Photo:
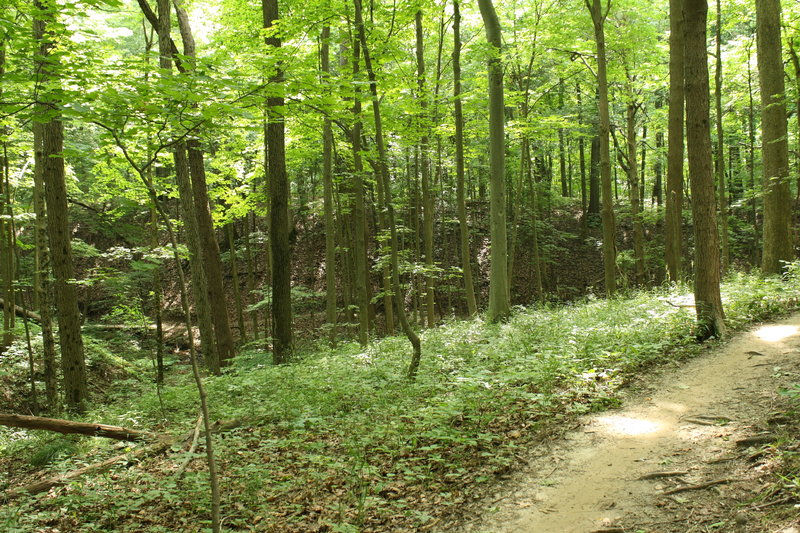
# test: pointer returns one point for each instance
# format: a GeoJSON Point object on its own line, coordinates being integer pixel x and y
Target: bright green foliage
{"type": "Point", "coordinates": [344, 426]}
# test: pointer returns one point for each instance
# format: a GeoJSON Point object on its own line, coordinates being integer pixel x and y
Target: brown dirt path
{"type": "Point", "coordinates": [687, 421]}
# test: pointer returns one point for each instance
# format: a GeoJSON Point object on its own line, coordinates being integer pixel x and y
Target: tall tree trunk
{"type": "Point", "coordinates": [279, 205]}
{"type": "Point", "coordinates": [383, 175]}
{"type": "Point", "coordinates": [41, 277]}
{"type": "Point", "coordinates": [205, 225]}
{"type": "Point", "coordinates": [774, 143]}
{"type": "Point", "coordinates": [197, 266]}
{"type": "Point", "coordinates": [674, 192]}
{"type": "Point", "coordinates": [466, 256]}
{"type": "Point", "coordinates": [327, 187]}
{"type": "Point", "coordinates": [607, 212]}
{"type": "Point", "coordinates": [251, 278]}
{"type": "Point", "coordinates": [633, 180]}
{"type": "Point", "coordinates": [582, 157]}
{"type": "Point", "coordinates": [6, 232]}
{"type": "Point", "coordinates": [725, 257]}
{"type": "Point", "coordinates": [594, 176]}
{"type": "Point", "coordinates": [362, 282]}
{"type": "Point", "coordinates": [793, 54]}
{"type": "Point", "coordinates": [658, 168]}
{"type": "Point", "coordinates": [499, 305]}
{"type": "Point", "coordinates": [73, 364]}
{"type": "Point", "coordinates": [708, 303]}
{"type": "Point", "coordinates": [237, 290]}
{"type": "Point", "coordinates": [427, 194]}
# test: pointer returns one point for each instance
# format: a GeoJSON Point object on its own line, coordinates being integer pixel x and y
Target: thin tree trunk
{"type": "Point", "coordinates": [466, 256]}
{"type": "Point", "coordinates": [725, 254]}
{"type": "Point", "coordinates": [582, 156]}
{"type": "Point", "coordinates": [607, 211]}
{"type": "Point", "coordinates": [361, 282]}
{"type": "Point", "coordinates": [427, 195]}
{"type": "Point", "coordinates": [251, 278]}
{"type": "Point", "coordinates": [327, 185]}
{"type": "Point", "coordinates": [633, 180]}
{"type": "Point", "coordinates": [383, 175]}
{"type": "Point", "coordinates": [209, 246]}
{"type": "Point", "coordinates": [237, 290]}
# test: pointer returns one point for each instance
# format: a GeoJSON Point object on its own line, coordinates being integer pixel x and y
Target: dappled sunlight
{"type": "Point", "coordinates": [775, 333]}
{"type": "Point", "coordinates": [671, 407]}
{"type": "Point", "coordinates": [629, 427]}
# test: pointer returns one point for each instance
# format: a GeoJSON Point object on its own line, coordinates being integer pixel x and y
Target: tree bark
{"type": "Point", "coordinates": [607, 211]}
{"type": "Point", "coordinates": [359, 229]}
{"type": "Point", "coordinates": [327, 185]}
{"type": "Point", "coordinates": [209, 247]}
{"type": "Point", "coordinates": [499, 305]}
{"type": "Point", "coordinates": [466, 256]}
{"type": "Point", "coordinates": [279, 205]}
{"type": "Point", "coordinates": [674, 192]}
{"type": "Point", "coordinates": [383, 175]}
{"type": "Point", "coordinates": [708, 303]}
{"type": "Point", "coordinates": [53, 173]}
{"type": "Point", "coordinates": [774, 143]}
{"type": "Point", "coordinates": [427, 194]}
{"type": "Point", "coordinates": [720, 159]}
{"type": "Point", "coordinates": [71, 427]}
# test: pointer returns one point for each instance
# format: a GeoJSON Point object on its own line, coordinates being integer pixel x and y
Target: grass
{"type": "Point", "coordinates": [340, 441]}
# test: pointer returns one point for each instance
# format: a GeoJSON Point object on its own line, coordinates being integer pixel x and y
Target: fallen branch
{"type": "Point", "coordinates": [701, 486]}
{"type": "Point", "coordinates": [659, 475]}
{"type": "Point", "coordinates": [161, 446]}
{"type": "Point", "coordinates": [69, 427]}
{"type": "Point", "coordinates": [22, 311]}
{"type": "Point", "coordinates": [192, 448]}
{"type": "Point", "coordinates": [767, 438]}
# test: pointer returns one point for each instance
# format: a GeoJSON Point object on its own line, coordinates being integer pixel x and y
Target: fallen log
{"type": "Point", "coordinates": [69, 426]}
{"type": "Point", "coordinates": [160, 446]}
{"type": "Point", "coordinates": [23, 312]}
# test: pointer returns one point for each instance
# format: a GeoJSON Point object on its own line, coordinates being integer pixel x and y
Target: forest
{"type": "Point", "coordinates": [338, 265]}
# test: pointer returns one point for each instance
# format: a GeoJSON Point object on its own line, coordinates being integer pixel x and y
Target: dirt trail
{"type": "Point", "coordinates": [686, 421]}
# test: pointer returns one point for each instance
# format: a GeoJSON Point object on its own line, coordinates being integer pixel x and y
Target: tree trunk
{"type": "Point", "coordinates": [279, 206]}
{"type": "Point", "coordinates": [209, 246]}
{"type": "Point", "coordinates": [362, 282]}
{"type": "Point", "coordinates": [73, 364]}
{"type": "Point", "coordinates": [607, 212]}
{"type": "Point", "coordinates": [658, 168]}
{"type": "Point", "coordinates": [594, 176]}
{"type": "Point", "coordinates": [327, 186]}
{"type": "Point", "coordinates": [774, 143]}
{"type": "Point", "coordinates": [71, 427]}
{"type": "Point", "coordinates": [725, 257]}
{"type": "Point", "coordinates": [466, 256]}
{"type": "Point", "coordinates": [41, 276]}
{"type": "Point", "coordinates": [633, 180]}
{"type": "Point", "coordinates": [499, 305]}
{"type": "Point", "coordinates": [674, 192]}
{"type": "Point", "coordinates": [582, 157]}
{"type": "Point", "coordinates": [383, 175]}
{"type": "Point", "coordinates": [427, 194]}
{"type": "Point", "coordinates": [237, 290]}
{"type": "Point", "coordinates": [708, 303]}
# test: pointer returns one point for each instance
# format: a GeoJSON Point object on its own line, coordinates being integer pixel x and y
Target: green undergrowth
{"type": "Point", "coordinates": [341, 441]}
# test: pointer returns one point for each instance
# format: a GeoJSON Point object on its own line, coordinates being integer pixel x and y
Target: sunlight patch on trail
{"type": "Point", "coordinates": [629, 427]}
{"type": "Point", "coordinates": [775, 333]}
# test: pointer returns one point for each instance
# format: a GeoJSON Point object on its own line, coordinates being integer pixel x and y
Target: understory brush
{"type": "Point", "coordinates": [341, 441]}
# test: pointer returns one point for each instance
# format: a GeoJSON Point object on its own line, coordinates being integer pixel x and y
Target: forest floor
{"type": "Point", "coordinates": [691, 449]}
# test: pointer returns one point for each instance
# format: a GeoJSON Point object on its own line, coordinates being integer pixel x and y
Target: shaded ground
{"type": "Point", "coordinates": [643, 468]}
